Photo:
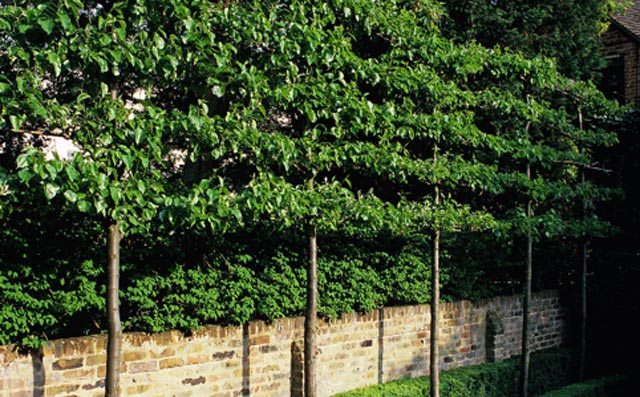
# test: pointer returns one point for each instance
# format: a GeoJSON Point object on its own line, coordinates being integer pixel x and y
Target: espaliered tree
{"type": "Point", "coordinates": [113, 80]}
{"type": "Point", "coordinates": [536, 118]}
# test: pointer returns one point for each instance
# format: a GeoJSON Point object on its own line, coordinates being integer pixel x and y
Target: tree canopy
{"type": "Point", "coordinates": [200, 125]}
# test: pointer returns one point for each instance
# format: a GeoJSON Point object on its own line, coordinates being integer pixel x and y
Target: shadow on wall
{"type": "Point", "coordinates": [38, 373]}
{"type": "Point", "coordinates": [246, 361]}
{"type": "Point", "coordinates": [381, 346]}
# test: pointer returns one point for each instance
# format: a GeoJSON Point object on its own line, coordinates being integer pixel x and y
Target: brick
{"type": "Point", "coordinates": [223, 355]}
{"type": "Point", "coordinates": [260, 340]}
{"type": "Point", "coordinates": [268, 348]}
{"type": "Point", "coordinates": [67, 363]}
{"type": "Point", "coordinates": [171, 362]}
{"type": "Point", "coordinates": [142, 366]}
{"type": "Point", "coordinates": [133, 356]}
{"type": "Point", "coordinates": [197, 359]}
{"type": "Point", "coordinates": [194, 381]}
{"type": "Point", "coordinates": [60, 389]}
{"type": "Point", "coordinates": [20, 393]}
{"type": "Point", "coordinates": [366, 343]}
{"type": "Point", "coordinates": [15, 383]}
{"type": "Point", "coordinates": [96, 359]}
{"type": "Point", "coordinates": [80, 373]}
{"type": "Point", "coordinates": [97, 384]}
{"type": "Point", "coordinates": [138, 389]}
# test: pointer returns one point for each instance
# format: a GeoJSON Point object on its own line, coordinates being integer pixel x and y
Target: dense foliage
{"type": "Point", "coordinates": [567, 31]}
{"type": "Point", "coordinates": [213, 134]}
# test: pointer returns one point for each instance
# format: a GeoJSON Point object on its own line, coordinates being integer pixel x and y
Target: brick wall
{"type": "Point", "coordinates": [617, 42]}
{"type": "Point", "coordinates": [263, 359]}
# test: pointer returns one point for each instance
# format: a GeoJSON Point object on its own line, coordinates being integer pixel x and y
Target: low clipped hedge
{"type": "Point", "coordinates": [549, 370]}
{"type": "Point", "coordinates": [608, 386]}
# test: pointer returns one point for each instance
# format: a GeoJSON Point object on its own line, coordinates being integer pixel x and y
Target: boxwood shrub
{"type": "Point", "coordinates": [549, 370]}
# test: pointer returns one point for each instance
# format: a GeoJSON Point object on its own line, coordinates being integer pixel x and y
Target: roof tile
{"type": "Point", "coordinates": [630, 19]}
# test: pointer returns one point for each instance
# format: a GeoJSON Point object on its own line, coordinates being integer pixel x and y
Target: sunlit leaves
{"type": "Point", "coordinates": [201, 117]}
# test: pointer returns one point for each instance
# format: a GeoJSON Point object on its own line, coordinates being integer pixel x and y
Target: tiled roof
{"type": "Point", "coordinates": [630, 19]}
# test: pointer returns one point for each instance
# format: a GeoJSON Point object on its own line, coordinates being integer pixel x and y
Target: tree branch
{"type": "Point", "coordinates": [41, 132]}
{"type": "Point", "coordinates": [584, 166]}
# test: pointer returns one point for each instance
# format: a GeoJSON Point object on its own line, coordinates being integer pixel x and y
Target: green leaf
{"type": "Point", "coordinates": [217, 91]}
{"type": "Point", "coordinates": [4, 24]}
{"type": "Point", "coordinates": [84, 206]}
{"type": "Point", "coordinates": [25, 175]}
{"type": "Point", "coordinates": [83, 96]}
{"type": "Point", "coordinates": [55, 61]}
{"type": "Point", "coordinates": [51, 190]}
{"type": "Point", "coordinates": [121, 33]}
{"type": "Point", "coordinates": [127, 159]}
{"type": "Point", "coordinates": [20, 84]}
{"type": "Point", "coordinates": [101, 206]}
{"type": "Point", "coordinates": [46, 25]}
{"type": "Point", "coordinates": [14, 121]}
{"type": "Point", "coordinates": [159, 42]}
{"type": "Point", "coordinates": [71, 196]}
{"type": "Point", "coordinates": [23, 160]}
{"type": "Point", "coordinates": [65, 21]}
{"type": "Point", "coordinates": [138, 135]}
{"type": "Point", "coordinates": [72, 173]}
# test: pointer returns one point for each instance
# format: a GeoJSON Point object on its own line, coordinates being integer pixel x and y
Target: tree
{"type": "Point", "coordinates": [567, 31]}
{"type": "Point", "coordinates": [104, 77]}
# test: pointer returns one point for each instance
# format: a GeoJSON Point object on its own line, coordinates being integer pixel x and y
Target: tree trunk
{"type": "Point", "coordinates": [311, 318]}
{"type": "Point", "coordinates": [524, 371]}
{"type": "Point", "coordinates": [582, 349]}
{"type": "Point", "coordinates": [114, 342]}
{"type": "Point", "coordinates": [435, 299]}
{"type": "Point", "coordinates": [583, 296]}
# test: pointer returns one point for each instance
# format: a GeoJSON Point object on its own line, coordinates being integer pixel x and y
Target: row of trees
{"type": "Point", "coordinates": [342, 116]}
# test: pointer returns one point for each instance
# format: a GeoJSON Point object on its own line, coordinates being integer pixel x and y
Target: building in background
{"type": "Point", "coordinates": [621, 46]}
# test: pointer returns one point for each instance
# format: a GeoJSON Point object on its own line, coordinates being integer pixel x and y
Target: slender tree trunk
{"type": "Point", "coordinates": [435, 300]}
{"type": "Point", "coordinates": [584, 247]}
{"type": "Point", "coordinates": [524, 371]}
{"type": "Point", "coordinates": [114, 342]}
{"type": "Point", "coordinates": [584, 254]}
{"type": "Point", "coordinates": [311, 318]}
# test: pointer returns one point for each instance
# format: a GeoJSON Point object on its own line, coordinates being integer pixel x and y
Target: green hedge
{"type": "Point", "coordinates": [608, 386]}
{"type": "Point", "coordinates": [549, 370]}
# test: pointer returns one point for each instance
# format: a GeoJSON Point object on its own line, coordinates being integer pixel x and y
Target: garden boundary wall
{"type": "Point", "coordinates": [265, 359]}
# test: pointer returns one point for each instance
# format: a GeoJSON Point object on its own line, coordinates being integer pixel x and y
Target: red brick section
{"type": "Point", "coordinates": [623, 39]}
{"type": "Point", "coordinates": [263, 359]}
